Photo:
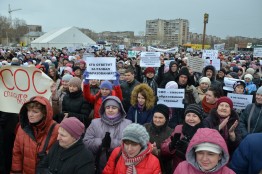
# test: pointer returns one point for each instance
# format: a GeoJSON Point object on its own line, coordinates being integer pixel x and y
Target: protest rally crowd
{"type": "Point", "coordinates": [119, 126]}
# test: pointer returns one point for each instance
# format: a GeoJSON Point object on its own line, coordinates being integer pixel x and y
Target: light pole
{"type": "Point", "coordinates": [204, 32]}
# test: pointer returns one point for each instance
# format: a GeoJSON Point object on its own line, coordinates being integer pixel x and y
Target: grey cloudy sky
{"type": "Point", "coordinates": [226, 17]}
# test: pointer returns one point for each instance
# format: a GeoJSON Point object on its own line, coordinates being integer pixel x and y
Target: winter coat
{"type": "Point", "coordinates": [251, 87]}
{"type": "Point", "coordinates": [247, 157]}
{"type": "Point", "coordinates": [202, 135]}
{"type": "Point", "coordinates": [213, 80]}
{"type": "Point", "coordinates": [127, 89]}
{"type": "Point", "coordinates": [74, 160]}
{"type": "Point", "coordinates": [143, 117]}
{"type": "Point", "coordinates": [149, 165]}
{"type": "Point", "coordinates": [255, 121]}
{"type": "Point", "coordinates": [97, 99]}
{"type": "Point", "coordinates": [212, 121]}
{"type": "Point", "coordinates": [76, 106]}
{"type": "Point", "coordinates": [30, 139]}
{"type": "Point", "coordinates": [169, 76]}
{"type": "Point", "coordinates": [158, 136]}
{"type": "Point", "coordinates": [201, 94]}
{"type": "Point", "coordinates": [97, 129]}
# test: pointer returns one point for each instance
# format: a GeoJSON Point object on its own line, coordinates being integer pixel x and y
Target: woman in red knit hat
{"type": "Point", "coordinates": [225, 119]}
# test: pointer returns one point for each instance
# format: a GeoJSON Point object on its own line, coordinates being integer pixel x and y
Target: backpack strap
{"type": "Point", "coordinates": [249, 117]}
{"type": "Point", "coordinates": [48, 137]}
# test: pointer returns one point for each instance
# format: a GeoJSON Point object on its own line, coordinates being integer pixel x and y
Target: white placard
{"type": "Point", "coordinates": [240, 101]}
{"type": "Point", "coordinates": [87, 55]}
{"type": "Point", "coordinates": [196, 64]}
{"type": "Point", "coordinates": [71, 49]}
{"type": "Point", "coordinates": [150, 59]}
{"type": "Point", "coordinates": [257, 52]}
{"type": "Point", "coordinates": [132, 53]}
{"type": "Point", "coordinates": [167, 62]}
{"type": "Point", "coordinates": [214, 62]}
{"type": "Point", "coordinates": [190, 50]}
{"type": "Point", "coordinates": [170, 50]}
{"type": "Point", "coordinates": [108, 48]}
{"type": "Point", "coordinates": [212, 54]}
{"type": "Point", "coordinates": [229, 82]}
{"type": "Point", "coordinates": [18, 84]}
{"type": "Point", "coordinates": [219, 47]}
{"type": "Point", "coordinates": [172, 98]}
{"type": "Point", "coordinates": [102, 68]}
{"type": "Point", "coordinates": [121, 47]}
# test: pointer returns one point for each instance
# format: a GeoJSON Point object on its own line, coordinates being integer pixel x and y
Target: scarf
{"type": "Point", "coordinates": [209, 171]}
{"type": "Point", "coordinates": [158, 129]}
{"type": "Point", "coordinates": [111, 121]}
{"type": "Point", "coordinates": [131, 162]}
{"type": "Point", "coordinates": [189, 131]}
{"type": "Point", "coordinates": [111, 117]}
{"type": "Point", "coordinates": [140, 107]}
{"type": "Point", "coordinates": [206, 106]}
{"type": "Point", "coordinates": [223, 131]}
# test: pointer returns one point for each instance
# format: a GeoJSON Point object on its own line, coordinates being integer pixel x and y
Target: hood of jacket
{"type": "Point", "coordinates": [207, 135]}
{"type": "Point", "coordinates": [102, 108]}
{"type": "Point", "coordinates": [171, 64]}
{"type": "Point", "coordinates": [49, 112]}
{"type": "Point", "coordinates": [212, 68]}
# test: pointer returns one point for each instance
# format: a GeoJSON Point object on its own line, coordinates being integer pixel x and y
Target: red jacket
{"type": "Point", "coordinates": [149, 165]}
{"type": "Point", "coordinates": [30, 139]}
{"type": "Point", "coordinates": [97, 99]}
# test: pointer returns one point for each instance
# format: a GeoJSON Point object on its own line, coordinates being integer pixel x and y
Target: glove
{"type": "Point", "coordinates": [181, 147]}
{"type": "Point", "coordinates": [86, 75]}
{"type": "Point", "coordinates": [106, 141]}
{"type": "Point", "coordinates": [174, 140]}
{"type": "Point", "coordinates": [116, 82]}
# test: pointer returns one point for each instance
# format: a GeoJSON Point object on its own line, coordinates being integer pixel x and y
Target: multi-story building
{"type": "Point", "coordinates": [168, 31]}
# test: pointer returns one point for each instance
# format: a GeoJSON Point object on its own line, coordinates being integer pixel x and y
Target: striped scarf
{"type": "Point", "coordinates": [132, 162]}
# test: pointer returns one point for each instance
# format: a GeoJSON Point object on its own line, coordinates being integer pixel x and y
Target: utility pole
{"type": "Point", "coordinates": [12, 10]}
{"type": "Point", "coordinates": [204, 32]}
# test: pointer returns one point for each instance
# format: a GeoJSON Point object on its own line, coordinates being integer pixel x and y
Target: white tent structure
{"type": "Point", "coordinates": [64, 37]}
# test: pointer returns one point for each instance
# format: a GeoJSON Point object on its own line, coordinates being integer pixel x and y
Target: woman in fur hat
{"type": "Point", "coordinates": [142, 101]}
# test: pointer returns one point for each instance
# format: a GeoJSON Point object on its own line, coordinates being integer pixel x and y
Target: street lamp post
{"type": "Point", "coordinates": [204, 32]}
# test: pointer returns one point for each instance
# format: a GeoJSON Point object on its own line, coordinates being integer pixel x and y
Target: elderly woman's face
{"type": "Point", "coordinates": [207, 160]}
{"type": "Point", "coordinates": [64, 138]}
{"type": "Point", "coordinates": [223, 109]}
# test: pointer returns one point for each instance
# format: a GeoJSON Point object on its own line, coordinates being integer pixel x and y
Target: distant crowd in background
{"type": "Point", "coordinates": [118, 126]}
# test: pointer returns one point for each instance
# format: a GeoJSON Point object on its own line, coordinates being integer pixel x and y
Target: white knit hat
{"type": "Point", "coordinates": [209, 147]}
{"type": "Point", "coordinates": [205, 80]}
{"type": "Point", "coordinates": [249, 76]}
{"type": "Point", "coordinates": [171, 85]}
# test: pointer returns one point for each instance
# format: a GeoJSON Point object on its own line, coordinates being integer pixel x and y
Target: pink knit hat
{"type": "Point", "coordinates": [73, 126]}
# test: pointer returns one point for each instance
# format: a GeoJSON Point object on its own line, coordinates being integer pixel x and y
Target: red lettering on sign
{"type": "Point", "coordinates": [1, 73]}
{"type": "Point", "coordinates": [33, 81]}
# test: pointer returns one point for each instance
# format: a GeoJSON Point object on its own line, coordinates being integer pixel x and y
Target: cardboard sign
{"type": "Point", "coordinates": [197, 64]}
{"type": "Point", "coordinates": [212, 54]}
{"type": "Point", "coordinates": [121, 47]}
{"type": "Point", "coordinates": [240, 101]}
{"type": "Point", "coordinates": [18, 84]}
{"type": "Point", "coordinates": [214, 62]}
{"type": "Point", "coordinates": [172, 98]}
{"type": "Point", "coordinates": [229, 82]}
{"type": "Point", "coordinates": [257, 52]}
{"type": "Point", "coordinates": [102, 68]}
{"type": "Point", "coordinates": [150, 59]}
{"type": "Point", "coordinates": [219, 47]}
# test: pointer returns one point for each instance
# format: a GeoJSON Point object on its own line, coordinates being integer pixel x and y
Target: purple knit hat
{"type": "Point", "coordinates": [73, 126]}
{"type": "Point", "coordinates": [106, 84]}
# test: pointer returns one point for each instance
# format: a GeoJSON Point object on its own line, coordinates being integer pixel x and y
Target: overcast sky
{"type": "Point", "coordinates": [226, 17]}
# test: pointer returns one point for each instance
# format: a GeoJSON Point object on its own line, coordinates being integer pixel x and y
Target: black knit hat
{"type": "Point", "coordinates": [163, 109]}
{"type": "Point", "coordinates": [184, 71]}
{"type": "Point", "coordinates": [196, 109]}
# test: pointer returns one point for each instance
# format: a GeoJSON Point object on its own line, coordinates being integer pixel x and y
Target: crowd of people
{"type": "Point", "coordinates": [118, 126]}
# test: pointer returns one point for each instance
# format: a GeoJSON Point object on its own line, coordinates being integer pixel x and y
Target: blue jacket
{"type": "Point", "coordinates": [247, 157]}
{"type": "Point", "coordinates": [143, 117]}
{"type": "Point", "coordinates": [251, 87]}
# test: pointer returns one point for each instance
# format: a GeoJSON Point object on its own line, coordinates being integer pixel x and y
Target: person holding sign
{"type": "Point", "coordinates": [225, 119]}
{"type": "Point", "coordinates": [106, 89]}
{"type": "Point", "coordinates": [142, 101]}
{"type": "Point", "coordinates": [251, 117]}
{"type": "Point", "coordinates": [175, 146]}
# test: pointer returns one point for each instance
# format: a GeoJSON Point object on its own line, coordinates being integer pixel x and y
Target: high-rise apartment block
{"type": "Point", "coordinates": [168, 31]}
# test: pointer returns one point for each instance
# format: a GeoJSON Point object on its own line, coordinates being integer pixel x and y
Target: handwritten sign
{"type": "Point", "coordinates": [121, 47]}
{"type": "Point", "coordinates": [257, 52]}
{"type": "Point", "coordinates": [196, 64]}
{"type": "Point", "coordinates": [212, 54]}
{"type": "Point", "coordinates": [150, 59]}
{"type": "Point", "coordinates": [240, 101]}
{"type": "Point", "coordinates": [214, 62]}
{"type": "Point", "coordinates": [219, 47]}
{"type": "Point", "coordinates": [172, 98]}
{"type": "Point", "coordinates": [18, 84]}
{"type": "Point", "coordinates": [132, 53]}
{"type": "Point", "coordinates": [102, 68]}
{"type": "Point", "coordinates": [229, 82]}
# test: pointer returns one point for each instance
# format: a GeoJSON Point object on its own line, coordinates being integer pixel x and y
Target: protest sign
{"type": "Point", "coordinates": [190, 50]}
{"type": "Point", "coordinates": [219, 47]}
{"type": "Point", "coordinates": [214, 62]}
{"type": "Point", "coordinates": [167, 62]}
{"type": "Point", "coordinates": [71, 49]}
{"type": "Point", "coordinates": [18, 84]}
{"type": "Point", "coordinates": [196, 64]}
{"type": "Point", "coordinates": [171, 97]}
{"type": "Point", "coordinates": [229, 82]}
{"type": "Point", "coordinates": [257, 52]}
{"type": "Point", "coordinates": [212, 54]}
{"type": "Point", "coordinates": [87, 55]}
{"type": "Point", "coordinates": [132, 53]}
{"type": "Point", "coordinates": [102, 68]}
{"type": "Point", "coordinates": [170, 50]}
{"type": "Point", "coordinates": [150, 59]}
{"type": "Point", "coordinates": [240, 101]}
{"type": "Point", "coordinates": [121, 47]}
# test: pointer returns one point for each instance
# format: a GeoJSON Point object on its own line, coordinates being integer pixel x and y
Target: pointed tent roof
{"type": "Point", "coordinates": [67, 35]}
